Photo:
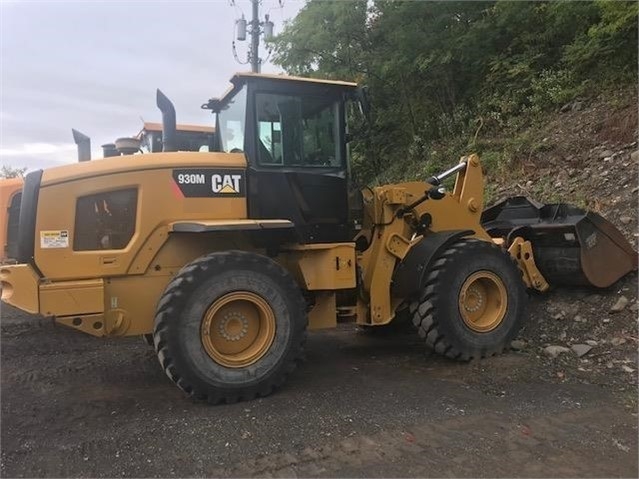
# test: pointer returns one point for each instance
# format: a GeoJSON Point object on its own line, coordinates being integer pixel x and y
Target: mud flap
{"type": "Point", "coordinates": [571, 246]}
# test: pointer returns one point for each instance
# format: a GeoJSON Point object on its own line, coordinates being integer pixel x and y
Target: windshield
{"type": "Point", "coordinates": [231, 122]}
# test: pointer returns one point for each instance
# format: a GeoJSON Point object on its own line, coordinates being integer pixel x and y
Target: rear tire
{"type": "Point", "coordinates": [230, 326]}
{"type": "Point", "coordinates": [473, 303]}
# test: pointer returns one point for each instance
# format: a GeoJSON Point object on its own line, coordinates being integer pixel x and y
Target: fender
{"type": "Point", "coordinates": [228, 225]}
{"type": "Point", "coordinates": [410, 274]}
{"type": "Point", "coordinates": [265, 233]}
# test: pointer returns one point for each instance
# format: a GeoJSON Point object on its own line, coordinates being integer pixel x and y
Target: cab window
{"type": "Point", "coordinates": [297, 131]}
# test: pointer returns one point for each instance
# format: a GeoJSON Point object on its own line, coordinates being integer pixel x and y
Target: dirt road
{"type": "Point", "coordinates": [360, 406]}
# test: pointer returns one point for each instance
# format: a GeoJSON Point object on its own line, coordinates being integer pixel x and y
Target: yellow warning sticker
{"type": "Point", "coordinates": [54, 239]}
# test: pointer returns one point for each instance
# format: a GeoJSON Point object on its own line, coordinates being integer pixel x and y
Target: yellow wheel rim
{"type": "Point", "coordinates": [483, 301]}
{"type": "Point", "coordinates": [238, 329]}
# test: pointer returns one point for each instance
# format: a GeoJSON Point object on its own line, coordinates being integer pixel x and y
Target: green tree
{"type": "Point", "coordinates": [609, 45]}
{"type": "Point", "coordinates": [8, 171]}
{"type": "Point", "coordinates": [441, 70]}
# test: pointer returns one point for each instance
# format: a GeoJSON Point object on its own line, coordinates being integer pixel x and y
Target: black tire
{"type": "Point", "coordinates": [437, 313]}
{"type": "Point", "coordinates": [148, 340]}
{"type": "Point", "coordinates": [181, 310]}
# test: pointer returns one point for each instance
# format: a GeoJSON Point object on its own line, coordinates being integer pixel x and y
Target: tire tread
{"type": "Point", "coordinates": [174, 299]}
{"type": "Point", "coordinates": [426, 317]}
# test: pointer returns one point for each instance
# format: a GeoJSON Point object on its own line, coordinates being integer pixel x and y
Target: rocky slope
{"type": "Point", "coordinates": [585, 154]}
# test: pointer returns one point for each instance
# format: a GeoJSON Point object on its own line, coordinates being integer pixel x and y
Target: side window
{"type": "Point", "coordinates": [297, 131]}
{"type": "Point", "coordinates": [231, 123]}
{"type": "Point", "coordinates": [105, 220]}
{"type": "Point", "coordinates": [271, 142]}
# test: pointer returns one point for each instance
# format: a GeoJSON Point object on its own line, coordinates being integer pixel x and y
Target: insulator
{"type": "Point", "coordinates": [241, 29]}
{"type": "Point", "coordinates": [268, 30]}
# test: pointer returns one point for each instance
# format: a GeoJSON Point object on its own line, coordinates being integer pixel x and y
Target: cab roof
{"type": "Point", "coordinates": [242, 77]}
{"type": "Point", "coordinates": [239, 79]}
{"type": "Point", "coordinates": [157, 127]}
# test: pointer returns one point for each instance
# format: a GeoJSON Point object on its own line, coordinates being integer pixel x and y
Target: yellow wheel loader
{"type": "Point", "coordinates": [227, 257]}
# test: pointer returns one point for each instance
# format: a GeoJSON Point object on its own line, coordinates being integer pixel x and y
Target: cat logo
{"type": "Point", "coordinates": [226, 184]}
{"type": "Point", "coordinates": [208, 183]}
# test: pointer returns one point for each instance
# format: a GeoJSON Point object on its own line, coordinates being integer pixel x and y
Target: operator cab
{"type": "Point", "coordinates": [293, 134]}
{"type": "Point", "coordinates": [188, 137]}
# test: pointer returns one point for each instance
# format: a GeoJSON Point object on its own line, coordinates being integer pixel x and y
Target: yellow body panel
{"type": "Point", "coordinates": [132, 163]}
{"type": "Point", "coordinates": [326, 266]}
{"type": "Point", "coordinates": [131, 300]}
{"type": "Point", "coordinates": [72, 297]}
{"type": "Point", "coordinates": [19, 284]}
{"type": "Point", "coordinates": [128, 313]}
{"type": "Point", "coordinates": [159, 204]}
{"type": "Point", "coordinates": [323, 314]}
{"type": "Point", "coordinates": [92, 324]}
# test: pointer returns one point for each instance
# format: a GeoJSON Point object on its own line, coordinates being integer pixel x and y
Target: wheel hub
{"type": "Point", "coordinates": [474, 299]}
{"type": "Point", "coordinates": [233, 326]}
{"type": "Point", "coordinates": [238, 329]}
{"type": "Point", "coordinates": [483, 301]}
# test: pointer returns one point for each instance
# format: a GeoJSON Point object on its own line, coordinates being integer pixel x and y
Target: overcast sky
{"type": "Point", "coordinates": [95, 65]}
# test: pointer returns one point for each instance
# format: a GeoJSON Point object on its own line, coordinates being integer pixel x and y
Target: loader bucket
{"type": "Point", "coordinates": [571, 246]}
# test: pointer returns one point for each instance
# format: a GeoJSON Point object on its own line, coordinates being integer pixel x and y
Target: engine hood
{"type": "Point", "coordinates": [148, 161]}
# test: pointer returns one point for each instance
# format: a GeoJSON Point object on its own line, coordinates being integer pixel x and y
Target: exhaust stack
{"type": "Point", "coordinates": [168, 122]}
{"type": "Point", "coordinates": [84, 145]}
{"type": "Point", "coordinates": [109, 150]}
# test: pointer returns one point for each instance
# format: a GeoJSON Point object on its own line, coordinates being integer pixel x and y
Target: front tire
{"type": "Point", "coordinates": [230, 326]}
{"type": "Point", "coordinates": [473, 303]}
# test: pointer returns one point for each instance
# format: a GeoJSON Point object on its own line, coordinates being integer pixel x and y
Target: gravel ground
{"type": "Point", "coordinates": [360, 406]}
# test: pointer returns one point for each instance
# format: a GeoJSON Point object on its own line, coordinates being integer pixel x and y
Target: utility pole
{"type": "Point", "coordinates": [254, 52]}
{"type": "Point", "coordinates": [256, 28]}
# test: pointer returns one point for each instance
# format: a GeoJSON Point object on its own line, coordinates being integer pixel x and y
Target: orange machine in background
{"type": "Point", "coordinates": [10, 193]}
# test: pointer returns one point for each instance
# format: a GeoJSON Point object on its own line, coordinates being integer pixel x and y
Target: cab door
{"type": "Point", "coordinates": [298, 163]}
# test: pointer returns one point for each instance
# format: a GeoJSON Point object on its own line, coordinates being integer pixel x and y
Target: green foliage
{"type": "Point", "coordinates": [326, 37]}
{"type": "Point", "coordinates": [551, 88]}
{"type": "Point", "coordinates": [8, 171]}
{"type": "Point", "coordinates": [609, 46]}
{"type": "Point", "coordinates": [455, 71]}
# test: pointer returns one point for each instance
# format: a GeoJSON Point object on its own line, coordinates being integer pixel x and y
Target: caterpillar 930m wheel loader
{"type": "Point", "coordinates": [226, 257]}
